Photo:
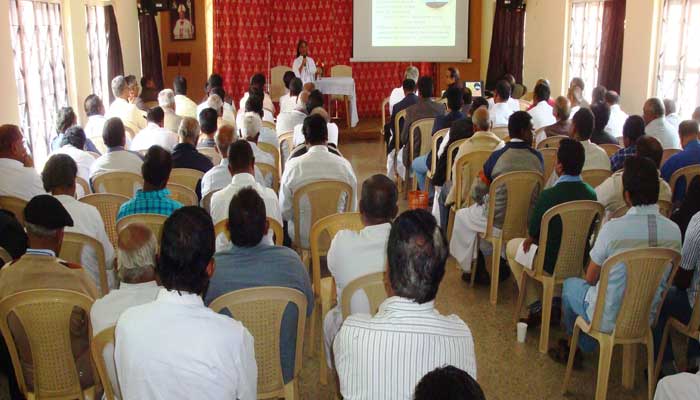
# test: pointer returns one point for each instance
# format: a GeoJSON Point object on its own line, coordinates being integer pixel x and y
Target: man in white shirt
{"type": "Point", "coordinates": [289, 101]}
{"type": "Point", "coordinates": [131, 116]}
{"type": "Point", "coordinates": [184, 106]}
{"type": "Point", "coordinates": [397, 94]}
{"type": "Point", "coordinates": [252, 101]}
{"type": "Point", "coordinates": [155, 133]}
{"type": "Point", "coordinates": [384, 356]}
{"type": "Point", "coordinates": [499, 108]}
{"type": "Point", "coordinates": [257, 85]}
{"type": "Point", "coordinates": [18, 177]}
{"type": "Point", "coordinates": [254, 104]}
{"type": "Point", "coordinates": [331, 126]}
{"type": "Point", "coordinates": [617, 116]}
{"type": "Point", "coordinates": [354, 254]}
{"type": "Point", "coordinates": [136, 263]}
{"type": "Point", "coordinates": [95, 111]}
{"type": "Point", "coordinates": [512, 103]}
{"type": "Point", "coordinates": [59, 180]}
{"type": "Point", "coordinates": [251, 131]}
{"type": "Point", "coordinates": [542, 112]}
{"type": "Point", "coordinates": [219, 176]}
{"type": "Point", "coordinates": [116, 158]}
{"type": "Point", "coordinates": [316, 165]}
{"type": "Point", "coordinates": [287, 80]}
{"type": "Point", "coordinates": [73, 145]}
{"type": "Point", "coordinates": [672, 116]}
{"type": "Point", "coordinates": [683, 386]}
{"type": "Point", "coordinates": [240, 167]}
{"type": "Point", "coordinates": [657, 125]}
{"type": "Point", "coordinates": [166, 101]}
{"type": "Point", "coordinates": [175, 347]}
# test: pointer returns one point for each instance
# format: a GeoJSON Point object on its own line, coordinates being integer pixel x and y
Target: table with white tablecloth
{"type": "Point", "coordinates": [341, 86]}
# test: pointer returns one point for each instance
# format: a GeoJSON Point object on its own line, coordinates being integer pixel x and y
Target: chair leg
{"type": "Point", "coordinates": [629, 361]}
{"type": "Point", "coordinates": [662, 349]}
{"type": "Point", "coordinates": [495, 264]}
{"type": "Point", "coordinates": [347, 111]}
{"type": "Point", "coordinates": [310, 350]}
{"type": "Point", "coordinates": [475, 265]}
{"type": "Point", "coordinates": [605, 358]}
{"type": "Point", "coordinates": [570, 362]}
{"type": "Point", "coordinates": [450, 223]}
{"type": "Point", "coordinates": [521, 297]}
{"type": "Point", "coordinates": [290, 390]}
{"type": "Point", "coordinates": [547, 297]}
{"type": "Point", "coordinates": [650, 364]}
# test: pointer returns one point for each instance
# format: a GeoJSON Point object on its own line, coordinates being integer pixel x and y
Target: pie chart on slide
{"type": "Point", "coordinates": [436, 3]}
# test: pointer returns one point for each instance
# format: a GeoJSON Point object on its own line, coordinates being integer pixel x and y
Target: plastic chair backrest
{"type": "Point", "coordinates": [260, 310]}
{"type": "Point", "coordinates": [324, 198]}
{"type": "Point", "coordinates": [373, 286]}
{"type": "Point", "coordinates": [187, 177]}
{"type": "Point", "coordinates": [97, 347]}
{"type": "Point", "coordinates": [526, 185]}
{"type": "Point", "coordinates": [183, 194]}
{"type": "Point", "coordinates": [341, 71]}
{"type": "Point", "coordinates": [107, 205]}
{"type": "Point", "coordinates": [466, 169]}
{"type": "Point", "coordinates": [286, 140]}
{"type": "Point", "coordinates": [271, 150]}
{"type": "Point", "coordinates": [5, 256]}
{"type": "Point", "coordinates": [549, 156]}
{"type": "Point", "coordinates": [667, 154]}
{"type": "Point", "coordinates": [154, 222]}
{"type": "Point", "coordinates": [206, 200]}
{"type": "Point", "coordinates": [45, 316]}
{"type": "Point", "coordinates": [221, 228]}
{"type": "Point", "coordinates": [398, 123]}
{"type": "Point", "coordinates": [118, 182]}
{"type": "Point", "coordinates": [451, 153]}
{"type": "Point", "coordinates": [438, 137]}
{"type": "Point", "coordinates": [665, 208]}
{"type": "Point", "coordinates": [594, 177]}
{"type": "Point", "coordinates": [72, 250]}
{"type": "Point", "coordinates": [15, 205]}
{"type": "Point", "coordinates": [687, 173]}
{"type": "Point", "coordinates": [276, 84]}
{"type": "Point", "coordinates": [425, 128]}
{"type": "Point", "coordinates": [211, 154]}
{"type": "Point", "coordinates": [99, 144]}
{"type": "Point", "coordinates": [83, 184]}
{"type": "Point", "coordinates": [552, 141]}
{"type": "Point", "coordinates": [500, 131]}
{"type": "Point", "coordinates": [266, 169]}
{"type": "Point", "coordinates": [610, 148]}
{"type": "Point", "coordinates": [385, 106]}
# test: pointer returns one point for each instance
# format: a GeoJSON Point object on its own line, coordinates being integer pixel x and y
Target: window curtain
{"type": "Point", "coordinates": [151, 65]}
{"type": "Point", "coordinates": [115, 63]}
{"type": "Point", "coordinates": [97, 50]}
{"type": "Point", "coordinates": [610, 62]}
{"type": "Point", "coordinates": [507, 42]}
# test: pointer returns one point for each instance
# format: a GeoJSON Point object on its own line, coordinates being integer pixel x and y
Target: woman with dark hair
{"type": "Point", "coordinates": [304, 66]}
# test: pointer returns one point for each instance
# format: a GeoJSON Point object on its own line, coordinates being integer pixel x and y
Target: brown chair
{"type": "Point", "coordinates": [206, 200]}
{"type": "Point", "coordinates": [72, 249]}
{"type": "Point", "coordinates": [187, 177]}
{"type": "Point", "coordinates": [552, 141]}
{"type": "Point", "coordinates": [374, 288]}
{"type": "Point", "coordinates": [342, 71]}
{"type": "Point", "coordinates": [526, 185]}
{"type": "Point", "coordinates": [211, 154]}
{"type": "Point", "coordinates": [118, 182]}
{"type": "Point", "coordinates": [438, 137]}
{"type": "Point", "coordinates": [687, 173]}
{"type": "Point", "coordinates": [183, 194]}
{"type": "Point", "coordinates": [5, 256]}
{"type": "Point", "coordinates": [108, 206]}
{"type": "Point", "coordinates": [97, 348]}
{"type": "Point", "coordinates": [580, 221]}
{"type": "Point", "coordinates": [45, 316]}
{"type": "Point", "coordinates": [260, 310]}
{"type": "Point", "coordinates": [221, 228]}
{"type": "Point", "coordinates": [610, 148]}
{"type": "Point", "coordinates": [665, 208]}
{"type": "Point", "coordinates": [466, 168]}
{"type": "Point", "coordinates": [501, 132]}
{"type": "Point", "coordinates": [645, 270]}
{"type": "Point", "coordinates": [425, 128]}
{"type": "Point", "coordinates": [269, 125]}
{"type": "Point", "coordinates": [385, 107]}
{"type": "Point", "coordinates": [286, 141]}
{"type": "Point", "coordinates": [154, 222]}
{"type": "Point", "coordinates": [398, 122]}
{"type": "Point", "coordinates": [549, 156]}
{"type": "Point", "coordinates": [273, 151]}
{"type": "Point", "coordinates": [83, 184]}
{"type": "Point", "coordinates": [99, 144]}
{"type": "Point", "coordinates": [265, 170]}
{"type": "Point", "coordinates": [276, 83]}
{"type": "Point", "coordinates": [322, 233]}
{"type": "Point", "coordinates": [620, 212]}
{"type": "Point", "coordinates": [691, 331]}
{"type": "Point", "coordinates": [15, 205]}
{"type": "Point", "coordinates": [667, 154]}
{"type": "Point", "coordinates": [451, 153]}
{"type": "Point", "coordinates": [594, 177]}
{"type": "Point", "coordinates": [130, 131]}
{"type": "Point", "coordinates": [524, 104]}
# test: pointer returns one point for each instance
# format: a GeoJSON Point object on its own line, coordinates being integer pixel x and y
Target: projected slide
{"type": "Point", "coordinates": [413, 23]}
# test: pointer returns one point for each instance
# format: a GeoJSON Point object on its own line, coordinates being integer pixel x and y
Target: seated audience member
{"type": "Point", "coordinates": [288, 102]}
{"type": "Point", "coordinates": [287, 120]}
{"type": "Point", "coordinates": [452, 79]}
{"type": "Point", "coordinates": [155, 133]}
{"type": "Point", "coordinates": [598, 95]}
{"type": "Point", "coordinates": [257, 84]}
{"type": "Point", "coordinates": [214, 101]}
{"type": "Point", "coordinates": [516, 155]}
{"type": "Point", "coordinates": [154, 197]}
{"type": "Point", "coordinates": [59, 180]}
{"type": "Point", "coordinates": [690, 155]}
{"type": "Point", "coordinates": [13, 238]}
{"type": "Point", "coordinates": [131, 116]}
{"type": "Point", "coordinates": [251, 130]}
{"type": "Point", "coordinates": [641, 226]}
{"type": "Point", "coordinates": [581, 130]}
{"type": "Point", "coordinates": [117, 158]}
{"type": "Point", "coordinates": [617, 116]}
{"type": "Point", "coordinates": [354, 254]}
{"type": "Point", "coordinates": [569, 187]}
{"type": "Point", "coordinates": [66, 119]}
{"type": "Point", "coordinates": [408, 99]}
{"type": "Point", "coordinates": [207, 128]}
{"type": "Point", "coordinates": [317, 164]}
{"type": "Point", "coordinates": [314, 105]}
{"type": "Point", "coordinates": [500, 108]}
{"type": "Point", "coordinates": [398, 94]}
{"type": "Point", "coordinates": [240, 164]}
{"type": "Point", "coordinates": [252, 262]}
{"type": "Point", "coordinates": [601, 114]}
{"type": "Point", "coordinates": [632, 130]}
{"type": "Point", "coordinates": [657, 126]}
{"type": "Point", "coordinates": [73, 145]}
{"type": "Point", "coordinates": [184, 106]}
{"type": "Point", "coordinates": [407, 321]}
{"type": "Point", "coordinates": [424, 108]}
{"type": "Point", "coordinates": [286, 80]}
{"type": "Point", "coordinates": [562, 127]}
{"type": "Point", "coordinates": [467, 100]}
{"type": "Point", "coordinates": [149, 91]}
{"type": "Point", "coordinates": [610, 192]}
{"type": "Point", "coordinates": [685, 386]}
{"type": "Point", "coordinates": [18, 178]}
{"type": "Point", "coordinates": [578, 85]}
{"type": "Point", "coordinates": [448, 383]}
{"type": "Point", "coordinates": [254, 104]}
{"type": "Point", "coordinates": [218, 176]}
{"type": "Point", "coordinates": [136, 263]}
{"type": "Point", "coordinates": [575, 96]}
{"type": "Point", "coordinates": [454, 105]}
{"type": "Point", "coordinates": [672, 116]}
{"type": "Point", "coordinates": [319, 115]}
{"type": "Point", "coordinates": [688, 207]}
{"type": "Point", "coordinates": [95, 112]}
{"type": "Point", "coordinates": [541, 113]}
{"type": "Point", "coordinates": [185, 154]}
{"type": "Point", "coordinates": [134, 90]}
{"type": "Point", "coordinates": [514, 104]}
{"type": "Point", "coordinates": [155, 340]}
{"type": "Point", "coordinates": [39, 268]}
{"type": "Point", "coordinates": [166, 101]}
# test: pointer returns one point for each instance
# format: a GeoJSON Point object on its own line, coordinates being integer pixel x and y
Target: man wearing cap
{"type": "Point", "coordinates": [39, 268]}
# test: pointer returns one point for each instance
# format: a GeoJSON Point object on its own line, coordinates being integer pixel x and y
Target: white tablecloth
{"type": "Point", "coordinates": [344, 86]}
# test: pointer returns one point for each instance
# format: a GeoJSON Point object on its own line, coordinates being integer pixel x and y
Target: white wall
{"type": "Point", "coordinates": [9, 113]}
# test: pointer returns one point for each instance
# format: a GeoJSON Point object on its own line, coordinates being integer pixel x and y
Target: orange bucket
{"type": "Point", "coordinates": [417, 199]}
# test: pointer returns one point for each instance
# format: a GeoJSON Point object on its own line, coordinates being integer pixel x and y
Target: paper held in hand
{"type": "Point", "coordinates": [526, 259]}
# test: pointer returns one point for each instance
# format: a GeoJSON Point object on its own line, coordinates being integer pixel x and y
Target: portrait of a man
{"type": "Point", "coordinates": [182, 20]}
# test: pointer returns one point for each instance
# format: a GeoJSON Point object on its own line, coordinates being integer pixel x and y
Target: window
{"type": "Point", "coordinates": [678, 75]}
{"type": "Point", "coordinates": [585, 30]}
{"type": "Point", "coordinates": [37, 47]}
{"type": "Point", "coordinates": [97, 50]}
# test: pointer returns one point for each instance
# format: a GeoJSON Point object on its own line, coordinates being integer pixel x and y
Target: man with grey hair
{"type": "Point", "coordinates": [185, 154]}
{"type": "Point", "coordinates": [166, 101]}
{"type": "Point", "coordinates": [136, 262]}
{"type": "Point", "coordinates": [672, 113]}
{"type": "Point", "coordinates": [657, 126]}
{"type": "Point", "coordinates": [397, 94]}
{"type": "Point", "coordinates": [561, 112]}
{"type": "Point", "coordinates": [133, 118]}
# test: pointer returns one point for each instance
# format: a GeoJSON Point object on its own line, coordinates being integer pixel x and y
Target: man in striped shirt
{"type": "Point", "coordinates": [385, 356]}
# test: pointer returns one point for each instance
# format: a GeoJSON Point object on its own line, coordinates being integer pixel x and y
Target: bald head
{"type": "Point", "coordinates": [378, 204]}
{"type": "Point", "coordinates": [562, 108]}
{"type": "Point", "coordinates": [481, 119]}
{"type": "Point", "coordinates": [136, 254]}
{"type": "Point", "coordinates": [11, 142]}
{"type": "Point", "coordinates": [223, 138]}
{"type": "Point", "coordinates": [653, 109]}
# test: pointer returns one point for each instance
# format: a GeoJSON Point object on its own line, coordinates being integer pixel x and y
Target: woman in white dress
{"type": "Point", "coordinates": [304, 66]}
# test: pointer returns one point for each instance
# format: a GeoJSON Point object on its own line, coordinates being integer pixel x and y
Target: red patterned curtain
{"type": "Point", "coordinates": [243, 30]}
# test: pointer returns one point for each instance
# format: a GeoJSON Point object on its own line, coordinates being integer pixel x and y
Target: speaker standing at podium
{"type": "Point", "coordinates": [304, 66]}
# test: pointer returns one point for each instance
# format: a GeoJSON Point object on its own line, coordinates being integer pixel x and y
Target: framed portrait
{"type": "Point", "coordinates": [182, 21]}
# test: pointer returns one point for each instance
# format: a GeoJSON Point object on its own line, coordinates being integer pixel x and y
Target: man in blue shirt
{"type": "Point", "coordinates": [251, 262]}
{"type": "Point", "coordinates": [154, 197]}
{"type": "Point", "coordinates": [688, 132]}
{"type": "Point", "coordinates": [632, 130]}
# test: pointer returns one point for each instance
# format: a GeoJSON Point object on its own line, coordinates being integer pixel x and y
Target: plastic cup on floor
{"type": "Point", "coordinates": [522, 331]}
